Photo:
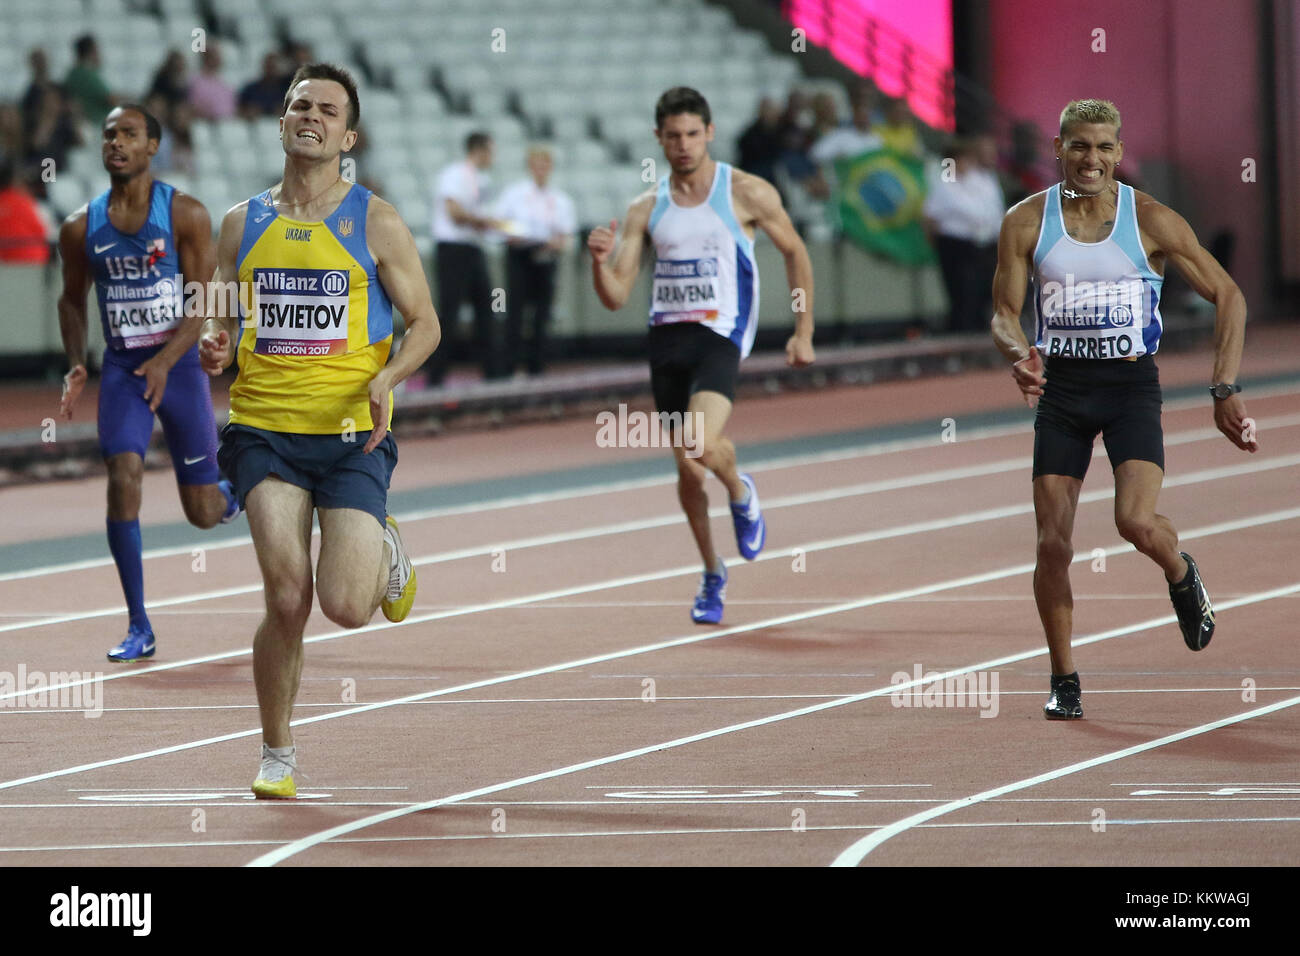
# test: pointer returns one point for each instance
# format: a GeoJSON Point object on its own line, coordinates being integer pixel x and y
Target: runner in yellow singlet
{"type": "Point", "coordinates": [321, 264]}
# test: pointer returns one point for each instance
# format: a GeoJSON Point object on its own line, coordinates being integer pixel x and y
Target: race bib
{"type": "Point", "coordinates": [1093, 320]}
{"type": "Point", "coordinates": [685, 290]}
{"type": "Point", "coordinates": [301, 312]}
{"type": "Point", "coordinates": [150, 319]}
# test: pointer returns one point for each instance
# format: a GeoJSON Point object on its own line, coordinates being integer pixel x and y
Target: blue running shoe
{"type": "Point", "coordinates": [751, 529]}
{"type": "Point", "coordinates": [138, 646]}
{"type": "Point", "coordinates": [234, 511]}
{"type": "Point", "coordinates": [708, 602]}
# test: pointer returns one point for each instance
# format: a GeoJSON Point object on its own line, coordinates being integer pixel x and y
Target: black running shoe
{"type": "Point", "coordinates": [1192, 605]}
{"type": "Point", "coordinates": [1066, 700]}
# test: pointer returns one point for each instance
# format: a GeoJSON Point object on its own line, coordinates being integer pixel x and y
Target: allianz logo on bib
{"type": "Point", "coordinates": [1093, 305]}
{"type": "Point", "coordinates": [301, 312]}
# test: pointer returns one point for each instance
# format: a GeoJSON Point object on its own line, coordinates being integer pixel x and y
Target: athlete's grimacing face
{"type": "Point", "coordinates": [685, 140]}
{"type": "Point", "coordinates": [315, 126]}
{"type": "Point", "coordinates": [127, 148]}
{"type": "Point", "coordinates": [1088, 154]}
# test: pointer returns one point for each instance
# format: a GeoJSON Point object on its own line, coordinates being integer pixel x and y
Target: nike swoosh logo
{"type": "Point", "coordinates": [195, 461]}
{"type": "Point", "coordinates": [758, 536]}
{"type": "Point", "coordinates": [99, 249]}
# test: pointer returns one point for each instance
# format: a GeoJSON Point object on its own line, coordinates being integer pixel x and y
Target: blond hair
{"type": "Point", "coordinates": [1089, 111]}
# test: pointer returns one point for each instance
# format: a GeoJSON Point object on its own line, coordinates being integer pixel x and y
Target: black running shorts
{"type": "Point", "coordinates": [685, 358]}
{"type": "Point", "coordinates": [1082, 397]}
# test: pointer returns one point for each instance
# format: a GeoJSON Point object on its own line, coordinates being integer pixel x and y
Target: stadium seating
{"type": "Point", "coordinates": [583, 73]}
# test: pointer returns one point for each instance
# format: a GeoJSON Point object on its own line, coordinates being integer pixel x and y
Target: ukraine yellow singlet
{"type": "Point", "coordinates": [319, 325]}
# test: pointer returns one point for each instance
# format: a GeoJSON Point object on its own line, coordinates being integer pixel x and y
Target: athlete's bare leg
{"type": "Point", "coordinates": [351, 541]}
{"type": "Point", "coordinates": [204, 505]}
{"type": "Point", "coordinates": [702, 450]}
{"type": "Point", "coordinates": [1137, 486]}
{"type": "Point", "coordinates": [1056, 498]}
{"type": "Point", "coordinates": [279, 517]}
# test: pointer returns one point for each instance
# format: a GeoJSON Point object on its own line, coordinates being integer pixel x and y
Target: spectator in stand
{"type": "Point", "coordinates": [85, 85]}
{"type": "Point", "coordinates": [1026, 169]}
{"type": "Point", "coordinates": [825, 116]}
{"type": "Point", "coordinates": [460, 224]}
{"type": "Point", "coordinates": [176, 148]}
{"type": "Point", "coordinates": [53, 132]}
{"type": "Point", "coordinates": [12, 141]}
{"type": "Point", "coordinates": [963, 216]}
{"type": "Point", "coordinates": [25, 230]}
{"type": "Point", "coordinates": [539, 223]}
{"type": "Point", "coordinates": [38, 88]}
{"type": "Point", "coordinates": [898, 131]}
{"type": "Point", "coordinates": [865, 92]}
{"type": "Point", "coordinates": [300, 54]}
{"type": "Point", "coordinates": [211, 97]}
{"type": "Point", "coordinates": [171, 82]}
{"type": "Point", "coordinates": [759, 148]}
{"type": "Point", "coordinates": [850, 140]}
{"type": "Point", "coordinates": [264, 96]}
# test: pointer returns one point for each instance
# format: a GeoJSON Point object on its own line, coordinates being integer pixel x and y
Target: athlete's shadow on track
{"type": "Point", "coordinates": [1231, 744]}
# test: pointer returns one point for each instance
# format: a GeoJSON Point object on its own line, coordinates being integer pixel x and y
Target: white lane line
{"type": "Point", "coordinates": [854, 854]}
{"type": "Point", "coordinates": [590, 834]}
{"type": "Point", "coordinates": [936, 525]}
{"type": "Point", "coordinates": [939, 524]}
{"type": "Point", "coordinates": [794, 461]}
{"type": "Point", "coordinates": [298, 846]}
{"type": "Point", "coordinates": [637, 700]}
{"type": "Point", "coordinates": [697, 638]}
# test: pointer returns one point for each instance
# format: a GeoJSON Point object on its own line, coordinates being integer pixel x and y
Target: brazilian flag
{"type": "Point", "coordinates": [879, 204]}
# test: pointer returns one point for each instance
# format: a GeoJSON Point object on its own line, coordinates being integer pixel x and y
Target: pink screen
{"type": "Point", "coordinates": [841, 26]}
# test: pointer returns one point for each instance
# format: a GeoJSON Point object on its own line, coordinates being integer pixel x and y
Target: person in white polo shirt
{"type": "Point", "coordinates": [963, 215]}
{"type": "Point", "coordinates": [539, 223]}
{"type": "Point", "coordinates": [460, 222]}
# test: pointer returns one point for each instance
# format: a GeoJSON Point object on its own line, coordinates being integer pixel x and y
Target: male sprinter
{"type": "Point", "coordinates": [320, 264]}
{"type": "Point", "coordinates": [138, 242]}
{"type": "Point", "coordinates": [1097, 250]}
{"type": "Point", "coordinates": [704, 312]}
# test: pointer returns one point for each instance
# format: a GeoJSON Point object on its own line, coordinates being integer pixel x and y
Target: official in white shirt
{"type": "Point", "coordinates": [539, 223]}
{"type": "Point", "coordinates": [460, 224]}
{"type": "Point", "coordinates": [963, 214]}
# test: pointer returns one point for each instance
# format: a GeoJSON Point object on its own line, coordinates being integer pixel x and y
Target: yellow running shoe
{"type": "Point", "coordinates": [400, 595]}
{"type": "Point", "coordinates": [275, 776]}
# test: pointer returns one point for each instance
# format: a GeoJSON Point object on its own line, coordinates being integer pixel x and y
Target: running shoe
{"type": "Point", "coordinates": [1192, 605]}
{"type": "Point", "coordinates": [708, 602]}
{"type": "Point", "coordinates": [751, 529]}
{"type": "Point", "coordinates": [138, 646]}
{"type": "Point", "coordinates": [275, 776]}
{"type": "Point", "coordinates": [234, 511]}
{"type": "Point", "coordinates": [400, 595]}
{"type": "Point", "coordinates": [1066, 701]}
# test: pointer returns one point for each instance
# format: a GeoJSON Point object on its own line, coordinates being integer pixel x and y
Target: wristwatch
{"type": "Point", "coordinates": [1222, 390]}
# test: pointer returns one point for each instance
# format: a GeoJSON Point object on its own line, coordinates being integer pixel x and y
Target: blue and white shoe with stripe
{"type": "Point", "coordinates": [138, 646]}
{"type": "Point", "coordinates": [708, 602]}
{"type": "Point", "coordinates": [751, 529]}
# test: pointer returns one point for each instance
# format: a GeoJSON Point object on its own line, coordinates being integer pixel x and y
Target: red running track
{"type": "Point", "coordinates": [549, 701]}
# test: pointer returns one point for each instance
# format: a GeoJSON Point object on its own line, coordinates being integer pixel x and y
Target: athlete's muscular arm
{"type": "Point", "coordinates": [1015, 248]}
{"type": "Point", "coordinates": [72, 306]}
{"type": "Point", "coordinates": [614, 280]}
{"type": "Point", "coordinates": [762, 204]}
{"type": "Point", "coordinates": [218, 334]}
{"type": "Point", "coordinates": [1176, 240]}
{"type": "Point", "coordinates": [397, 262]}
{"type": "Point", "coordinates": [193, 230]}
